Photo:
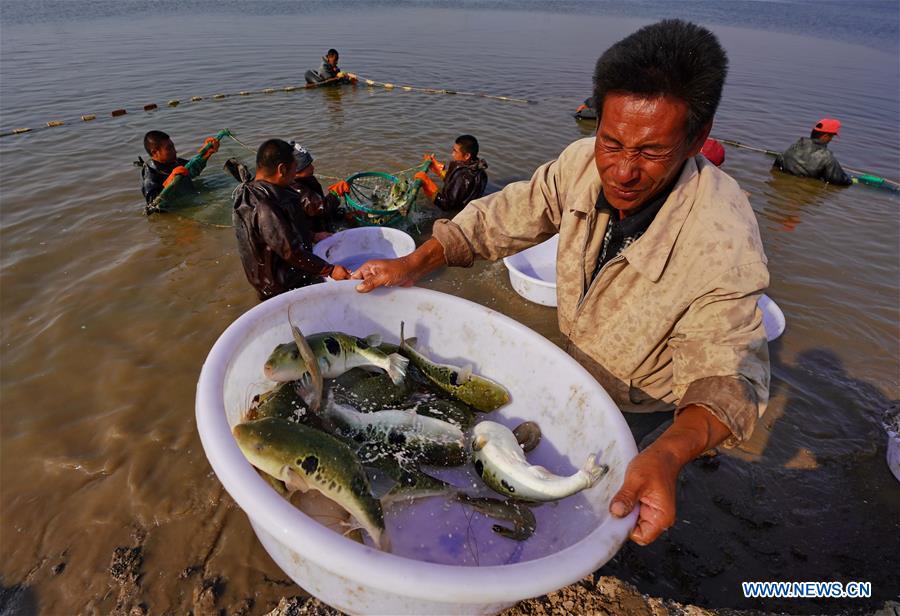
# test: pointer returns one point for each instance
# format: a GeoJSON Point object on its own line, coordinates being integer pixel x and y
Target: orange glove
{"type": "Point", "coordinates": [339, 188]}
{"type": "Point", "coordinates": [180, 170]}
{"type": "Point", "coordinates": [581, 108]}
{"type": "Point", "coordinates": [213, 149]}
{"type": "Point", "coordinates": [437, 167]}
{"type": "Point", "coordinates": [428, 184]}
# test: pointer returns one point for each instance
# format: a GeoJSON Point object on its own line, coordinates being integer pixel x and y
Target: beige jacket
{"type": "Point", "coordinates": [672, 320]}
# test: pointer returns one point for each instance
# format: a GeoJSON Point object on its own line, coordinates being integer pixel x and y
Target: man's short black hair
{"type": "Point", "coordinates": [669, 58]}
{"type": "Point", "coordinates": [154, 140]}
{"type": "Point", "coordinates": [468, 145]}
{"type": "Point", "coordinates": [332, 52]}
{"type": "Point", "coordinates": [272, 153]}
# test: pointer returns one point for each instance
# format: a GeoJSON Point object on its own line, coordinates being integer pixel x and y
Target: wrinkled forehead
{"type": "Point", "coordinates": [629, 117]}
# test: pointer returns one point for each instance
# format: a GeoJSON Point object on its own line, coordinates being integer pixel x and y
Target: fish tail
{"type": "Point", "coordinates": [594, 470]}
{"type": "Point", "coordinates": [397, 367]}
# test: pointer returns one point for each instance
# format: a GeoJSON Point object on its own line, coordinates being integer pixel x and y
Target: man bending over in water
{"type": "Point", "coordinates": [275, 234]}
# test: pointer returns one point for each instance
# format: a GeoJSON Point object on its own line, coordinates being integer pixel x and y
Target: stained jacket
{"type": "Point", "coordinates": [811, 158]}
{"type": "Point", "coordinates": [463, 182]}
{"type": "Point", "coordinates": [325, 72]}
{"type": "Point", "coordinates": [274, 237]}
{"type": "Point", "coordinates": [153, 174]}
{"type": "Point", "coordinates": [669, 322]}
{"type": "Point", "coordinates": [319, 207]}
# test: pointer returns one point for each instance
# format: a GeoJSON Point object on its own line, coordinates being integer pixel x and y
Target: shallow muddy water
{"type": "Point", "coordinates": [106, 315]}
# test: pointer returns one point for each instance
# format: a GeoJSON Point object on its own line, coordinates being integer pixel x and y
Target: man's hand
{"type": "Point", "coordinates": [649, 481]}
{"type": "Point", "coordinates": [402, 272]}
{"type": "Point", "coordinates": [339, 188]}
{"type": "Point", "coordinates": [340, 273]}
{"type": "Point", "coordinates": [428, 186]}
{"type": "Point", "coordinates": [214, 147]}
{"type": "Point", "coordinates": [650, 478]}
{"type": "Point", "coordinates": [179, 170]}
{"type": "Point", "coordinates": [384, 273]}
{"type": "Point", "coordinates": [321, 235]}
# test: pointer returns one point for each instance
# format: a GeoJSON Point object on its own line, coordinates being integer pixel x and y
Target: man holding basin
{"type": "Point", "coordinates": [660, 262]}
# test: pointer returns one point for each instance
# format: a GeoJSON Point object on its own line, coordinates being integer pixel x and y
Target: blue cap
{"type": "Point", "coordinates": [302, 156]}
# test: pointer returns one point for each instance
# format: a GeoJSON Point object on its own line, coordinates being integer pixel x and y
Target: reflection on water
{"type": "Point", "coordinates": [107, 315]}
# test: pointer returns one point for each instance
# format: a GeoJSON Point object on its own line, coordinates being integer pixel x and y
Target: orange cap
{"type": "Point", "coordinates": [828, 125]}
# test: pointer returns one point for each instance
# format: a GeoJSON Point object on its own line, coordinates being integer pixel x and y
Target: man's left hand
{"type": "Point", "coordinates": [650, 481]}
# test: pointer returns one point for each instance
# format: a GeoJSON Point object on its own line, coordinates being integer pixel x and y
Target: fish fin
{"type": "Point", "coordinates": [397, 368]}
{"type": "Point", "coordinates": [595, 471]}
{"type": "Point", "coordinates": [314, 388]}
{"type": "Point", "coordinates": [464, 375]}
{"type": "Point", "coordinates": [382, 542]}
{"type": "Point", "coordinates": [379, 481]}
{"type": "Point", "coordinates": [479, 443]}
{"type": "Point", "coordinates": [374, 340]}
{"type": "Point", "coordinates": [294, 481]}
{"type": "Point", "coordinates": [402, 340]}
{"type": "Point", "coordinates": [411, 342]}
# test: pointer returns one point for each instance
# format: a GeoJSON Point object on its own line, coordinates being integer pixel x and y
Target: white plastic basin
{"type": "Point", "coordinates": [532, 274]}
{"type": "Point", "coordinates": [353, 247]}
{"type": "Point", "coordinates": [547, 386]}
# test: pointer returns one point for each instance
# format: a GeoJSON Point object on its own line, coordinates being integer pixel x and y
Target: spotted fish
{"type": "Point", "coordinates": [500, 462]}
{"type": "Point", "coordinates": [477, 391]}
{"type": "Point", "coordinates": [337, 353]}
{"type": "Point", "coordinates": [307, 459]}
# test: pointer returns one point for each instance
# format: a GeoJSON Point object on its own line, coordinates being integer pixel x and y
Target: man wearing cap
{"type": "Point", "coordinates": [659, 265]}
{"type": "Point", "coordinates": [810, 156]}
{"type": "Point", "coordinates": [274, 233]}
{"type": "Point", "coordinates": [322, 209]}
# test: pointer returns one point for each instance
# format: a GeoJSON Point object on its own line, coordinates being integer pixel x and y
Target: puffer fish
{"type": "Point", "coordinates": [477, 391]}
{"type": "Point", "coordinates": [336, 353]}
{"type": "Point", "coordinates": [518, 514]}
{"type": "Point", "coordinates": [307, 459]}
{"type": "Point", "coordinates": [427, 440]}
{"type": "Point", "coordinates": [401, 483]}
{"type": "Point", "coordinates": [500, 462]}
{"type": "Point", "coordinates": [284, 401]}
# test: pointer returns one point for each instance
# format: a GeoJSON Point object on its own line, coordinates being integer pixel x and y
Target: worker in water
{"type": "Point", "coordinates": [274, 235]}
{"type": "Point", "coordinates": [320, 207]}
{"type": "Point", "coordinates": [464, 180]}
{"type": "Point", "coordinates": [810, 156]}
{"type": "Point", "coordinates": [713, 151]}
{"type": "Point", "coordinates": [329, 71]}
{"type": "Point", "coordinates": [587, 110]}
{"type": "Point", "coordinates": [165, 165]}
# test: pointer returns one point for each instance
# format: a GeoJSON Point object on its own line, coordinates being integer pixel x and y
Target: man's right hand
{"type": "Point", "coordinates": [402, 272]}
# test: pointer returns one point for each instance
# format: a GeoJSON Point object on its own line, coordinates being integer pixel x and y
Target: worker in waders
{"type": "Point", "coordinates": [810, 157]}
{"type": "Point", "coordinates": [165, 165]}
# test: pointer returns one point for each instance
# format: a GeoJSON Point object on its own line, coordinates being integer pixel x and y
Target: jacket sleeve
{"type": "Point", "coordinates": [720, 356]}
{"type": "Point", "coordinates": [833, 173]}
{"type": "Point", "coordinates": [274, 231]}
{"type": "Point", "coordinates": [151, 184]}
{"type": "Point", "coordinates": [519, 216]}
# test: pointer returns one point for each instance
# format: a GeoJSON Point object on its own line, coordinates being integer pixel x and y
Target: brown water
{"type": "Point", "coordinates": [106, 316]}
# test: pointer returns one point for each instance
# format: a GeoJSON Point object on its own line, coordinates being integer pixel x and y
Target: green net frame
{"type": "Point", "coordinates": [368, 187]}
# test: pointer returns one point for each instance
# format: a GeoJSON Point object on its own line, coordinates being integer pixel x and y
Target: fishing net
{"type": "Point", "coordinates": [382, 199]}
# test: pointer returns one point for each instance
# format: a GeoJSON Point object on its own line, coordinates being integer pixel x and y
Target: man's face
{"type": "Point", "coordinates": [458, 155]}
{"type": "Point", "coordinates": [641, 146]}
{"type": "Point", "coordinates": [332, 59]}
{"type": "Point", "coordinates": [165, 153]}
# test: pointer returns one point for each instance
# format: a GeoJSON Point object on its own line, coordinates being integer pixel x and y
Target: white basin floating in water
{"type": "Point", "coordinates": [532, 274]}
{"type": "Point", "coordinates": [576, 416]}
{"type": "Point", "coordinates": [353, 247]}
